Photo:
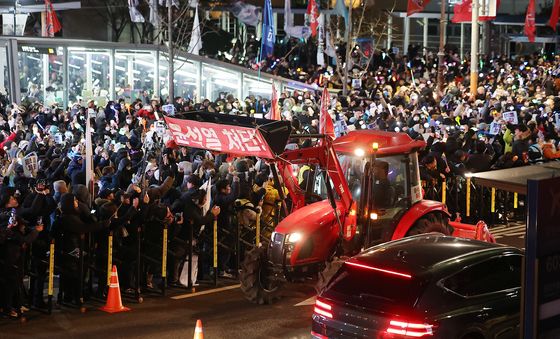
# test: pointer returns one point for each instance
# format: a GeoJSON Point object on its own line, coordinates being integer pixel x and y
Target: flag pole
{"type": "Point", "coordinates": [474, 48]}
{"type": "Point", "coordinates": [441, 53]}
{"type": "Point", "coordinates": [348, 47]}
{"type": "Point", "coordinates": [260, 51]}
{"type": "Point", "coordinates": [171, 94]}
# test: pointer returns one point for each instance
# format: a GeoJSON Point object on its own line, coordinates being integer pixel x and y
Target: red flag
{"type": "Point", "coordinates": [326, 125]}
{"type": "Point", "coordinates": [274, 113]}
{"type": "Point", "coordinates": [553, 22]}
{"type": "Point", "coordinates": [530, 29]}
{"type": "Point", "coordinates": [462, 12]}
{"type": "Point", "coordinates": [416, 6]}
{"type": "Point", "coordinates": [53, 25]}
{"type": "Point", "coordinates": [313, 13]}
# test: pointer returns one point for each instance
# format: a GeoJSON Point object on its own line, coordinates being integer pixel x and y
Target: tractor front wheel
{"type": "Point", "coordinates": [257, 284]}
{"type": "Point", "coordinates": [431, 222]}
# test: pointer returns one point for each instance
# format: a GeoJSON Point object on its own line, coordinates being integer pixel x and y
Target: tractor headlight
{"type": "Point", "coordinates": [294, 237]}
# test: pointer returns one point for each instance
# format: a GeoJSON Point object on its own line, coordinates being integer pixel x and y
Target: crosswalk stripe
{"type": "Point", "coordinates": [196, 294]}
{"type": "Point", "coordinates": [516, 233]}
{"type": "Point", "coordinates": [508, 230]}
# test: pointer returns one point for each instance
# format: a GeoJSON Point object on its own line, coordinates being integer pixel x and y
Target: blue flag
{"type": "Point", "coordinates": [268, 36]}
{"type": "Point", "coordinates": [341, 10]}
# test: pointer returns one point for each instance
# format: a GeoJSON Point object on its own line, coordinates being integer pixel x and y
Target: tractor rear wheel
{"type": "Point", "coordinates": [257, 284]}
{"type": "Point", "coordinates": [431, 222]}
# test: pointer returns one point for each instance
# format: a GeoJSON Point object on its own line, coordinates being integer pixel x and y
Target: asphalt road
{"type": "Point", "coordinates": [225, 314]}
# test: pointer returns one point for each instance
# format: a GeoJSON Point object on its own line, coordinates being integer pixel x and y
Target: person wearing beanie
{"type": "Point", "coordinates": [60, 187]}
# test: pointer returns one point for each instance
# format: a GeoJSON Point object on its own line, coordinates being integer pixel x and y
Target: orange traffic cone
{"type": "Point", "coordinates": [114, 302]}
{"type": "Point", "coordinates": [198, 334]}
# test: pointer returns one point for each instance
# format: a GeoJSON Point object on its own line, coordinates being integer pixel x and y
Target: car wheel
{"type": "Point", "coordinates": [431, 222]}
{"type": "Point", "coordinates": [256, 283]}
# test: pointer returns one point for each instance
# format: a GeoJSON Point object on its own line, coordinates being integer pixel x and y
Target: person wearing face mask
{"type": "Point", "coordinates": [129, 122]}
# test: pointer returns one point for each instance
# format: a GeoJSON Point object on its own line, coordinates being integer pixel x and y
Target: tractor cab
{"type": "Point", "coordinates": [383, 177]}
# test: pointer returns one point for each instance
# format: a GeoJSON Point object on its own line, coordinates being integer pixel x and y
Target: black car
{"type": "Point", "coordinates": [428, 285]}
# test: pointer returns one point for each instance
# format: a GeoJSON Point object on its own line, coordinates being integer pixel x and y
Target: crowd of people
{"type": "Point", "coordinates": [144, 182]}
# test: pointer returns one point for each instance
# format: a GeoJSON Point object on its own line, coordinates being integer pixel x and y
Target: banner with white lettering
{"type": "Point", "coordinates": [233, 140]}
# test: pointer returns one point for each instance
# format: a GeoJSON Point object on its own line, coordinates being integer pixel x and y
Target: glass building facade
{"type": "Point", "coordinates": [63, 72]}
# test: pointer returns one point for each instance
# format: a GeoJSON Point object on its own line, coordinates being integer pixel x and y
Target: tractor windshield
{"type": "Point", "coordinates": [383, 188]}
{"type": "Point", "coordinates": [390, 178]}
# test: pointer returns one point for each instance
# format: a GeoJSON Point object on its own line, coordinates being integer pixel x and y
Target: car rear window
{"type": "Point", "coordinates": [373, 289]}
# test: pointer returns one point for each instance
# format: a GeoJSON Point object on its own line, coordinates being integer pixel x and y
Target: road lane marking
{"type": "Point", "coordinates": [307, 302]}
{"type": "Point", "coordinates": [196, 294]}
{"type": "Point", "coordinates": [509, 230]}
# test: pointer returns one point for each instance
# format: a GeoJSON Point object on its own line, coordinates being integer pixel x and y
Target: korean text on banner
{"type": "Point", "coordinates": [229, 139]}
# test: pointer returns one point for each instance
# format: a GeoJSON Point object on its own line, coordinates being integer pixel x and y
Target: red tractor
{"type": "Point", "coordinates": [372, 194]}
{"type": "Point", "coordinates": [372, 183]}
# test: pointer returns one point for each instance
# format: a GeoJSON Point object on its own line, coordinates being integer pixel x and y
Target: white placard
{"type": "Point", "coordinates": [510, 117]}
{"type": "Point", "coordinates": [495, 128]}
{"type": "Point", "coordinates": [169, 109]}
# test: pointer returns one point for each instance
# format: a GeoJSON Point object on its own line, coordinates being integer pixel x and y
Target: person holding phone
{"type": "Point", "coordinates": [17, 237]}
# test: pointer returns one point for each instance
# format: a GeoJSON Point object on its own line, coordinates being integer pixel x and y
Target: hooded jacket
{"type": "Point", "coordinates": [71, 225]}
{"type": "Point", "coordinates": [84, 201]}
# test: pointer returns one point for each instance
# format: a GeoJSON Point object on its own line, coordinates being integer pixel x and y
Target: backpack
{"type": "Point", "coordinates": [535, 154]}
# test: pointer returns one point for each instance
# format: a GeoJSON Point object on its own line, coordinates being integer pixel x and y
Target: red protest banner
{"type": "Point", "coordinates": [228, 139]}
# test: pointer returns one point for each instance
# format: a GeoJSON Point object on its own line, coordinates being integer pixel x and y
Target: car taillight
{"type": "Point", "coordinates": [322, 308]}
{"type": "Point", "coordinates": [407, 329]}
